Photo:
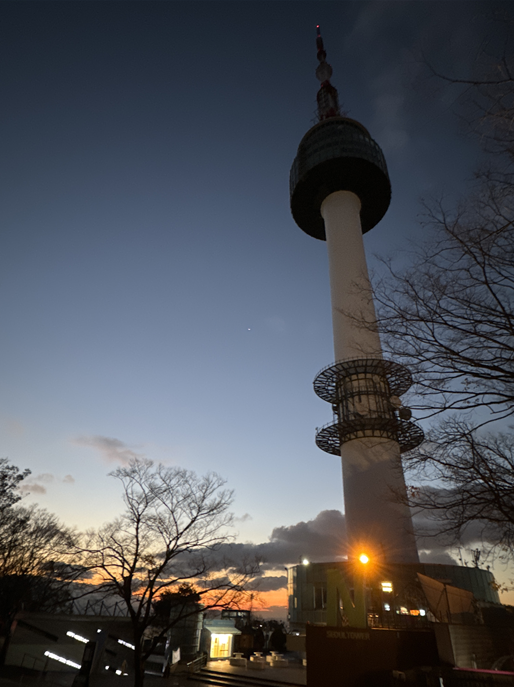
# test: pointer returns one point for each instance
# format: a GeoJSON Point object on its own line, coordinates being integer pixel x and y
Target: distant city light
{"type": "Point", "coordinates": [387, 607]}
{"type": "Point", "coordinates": [422, 611]}
{"type": "Point", "coordinates": [305, 561]}
{"type": "Point", "coordinates": [62, 660]}
{"type": "Point", "coordinates": [387, 587]}
{"type": "Point", "coordinates": [77, 637]}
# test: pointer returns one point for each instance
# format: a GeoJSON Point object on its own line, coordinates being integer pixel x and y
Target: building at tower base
{"type": "Point", "coordinates": [394, 595]}
{"type": "Point", "coordinates": [425, 614]}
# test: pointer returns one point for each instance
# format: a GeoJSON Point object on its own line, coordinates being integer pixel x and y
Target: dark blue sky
{"type": "Point", "coordinates": [156, 297]}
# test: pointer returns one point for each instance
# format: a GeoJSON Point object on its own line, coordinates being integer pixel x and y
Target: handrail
{"type": "Point", "coordinates": [196, 664]}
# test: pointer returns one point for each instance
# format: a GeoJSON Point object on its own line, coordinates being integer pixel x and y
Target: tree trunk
{"type": "Point", "coordinates": [139, 665]}
{"type": "Point", "coordinates": [7, 641]}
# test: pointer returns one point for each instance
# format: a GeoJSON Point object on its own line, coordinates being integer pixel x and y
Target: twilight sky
{"type": "Point", "coordinates": [156, 297]}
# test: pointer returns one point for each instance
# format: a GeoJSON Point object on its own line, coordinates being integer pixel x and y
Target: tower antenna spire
{"type": "Point", "coordinates": [328, 99]}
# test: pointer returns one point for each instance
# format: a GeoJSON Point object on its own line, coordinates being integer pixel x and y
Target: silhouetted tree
{"type": "Point", "coordinates": [449, 316]}
{"type": "Point", "coordinates": [466, 490]}
{"type": "Point", "coordinates": [10, 478]}
{"type": "Point", "coordinates": [33, 576]}
{"type": "Point", "coordinates": [165, 541]}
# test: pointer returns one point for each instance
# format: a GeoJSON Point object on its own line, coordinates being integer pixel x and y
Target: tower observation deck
{"type": "Point", "coordinates": [340, 189]}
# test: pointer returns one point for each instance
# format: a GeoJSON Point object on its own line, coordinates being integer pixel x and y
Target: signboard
{"type": "Point", "coordinates": [351, 656]}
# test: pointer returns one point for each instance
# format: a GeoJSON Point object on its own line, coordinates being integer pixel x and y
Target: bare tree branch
{"type": "Point", "coordinates": [467, 486]}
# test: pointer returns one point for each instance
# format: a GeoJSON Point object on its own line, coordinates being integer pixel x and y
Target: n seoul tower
{"type": "Point", "coordinates": [340, 189]}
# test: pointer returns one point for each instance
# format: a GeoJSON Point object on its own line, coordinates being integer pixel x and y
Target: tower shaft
{"type": "Point", "coordinates": [353, 311]}
{"type": "Point", "coordinates": [372, 475]}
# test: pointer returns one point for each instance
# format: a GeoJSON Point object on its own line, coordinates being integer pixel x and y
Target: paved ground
{"type": "Point", "coordinates": [296, 674]}
{"type": "Point", "coordinates": [66, 680]}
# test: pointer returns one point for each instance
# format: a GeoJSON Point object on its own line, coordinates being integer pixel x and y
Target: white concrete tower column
{"type": "Point", "coordinates": [353, 312]}
{"type": "Point", "coordinates": [372, 473]}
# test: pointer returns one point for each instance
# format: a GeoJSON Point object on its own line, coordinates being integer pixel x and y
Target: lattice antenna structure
{"type": "Point", "coordinates": [328, 99]}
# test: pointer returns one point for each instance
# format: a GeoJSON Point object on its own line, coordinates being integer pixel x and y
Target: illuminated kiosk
{"type": "Point", "coordinates": [340, 189]}
{"type": "Point", "coordinates": [222, 632]}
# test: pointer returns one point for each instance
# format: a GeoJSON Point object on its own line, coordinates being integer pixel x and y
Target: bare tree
{"type": "Point", "coordinates": [467, 486]}
{"type": "Point", "coordinates": [165, 541]}
{"type": "Point", "coordinates": [33, 574]}
{"type": "Point", "coordinates": [485, 102]}
{"type": "Point", "coordinates": [450, 314]}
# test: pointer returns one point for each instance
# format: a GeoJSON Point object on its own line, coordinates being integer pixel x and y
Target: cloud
{"type": "Point", "coordinates": [243, 518]}
{"type": "Point", "coordinates": [271, 584]}
{"type": "Point", "coordinates": [429, 522]}
{"type": "Point", "coordinates": [13, 427]}
{"type": "Point", "coordinates": [390, 123]}
{"type": "Point", "coordinates": [111, 450]}
{"type": "Point", "coordinates": [44, 477]}
{"type": "Point", "coordinates": [275, 612]}
{"type": "Point", "coordinates": [322, 539]}
{"type": "Point", "coordinates": [367, 24]}
{"type": "Point", "coordinates": [32, 488]}
{"type": "Point", "coordinates": [36, 484]}
{"type": "Point", "coordinates": [441, 557]}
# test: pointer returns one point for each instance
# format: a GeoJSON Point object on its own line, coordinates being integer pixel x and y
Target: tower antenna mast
{"type": "Point", "coordinates": [328, 99]}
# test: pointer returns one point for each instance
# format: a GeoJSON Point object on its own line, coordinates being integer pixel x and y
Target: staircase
{"type": "Point", "coordinates": [232, 679]}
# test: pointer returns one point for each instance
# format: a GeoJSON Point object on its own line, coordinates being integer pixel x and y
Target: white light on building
{"type": "Point", "coordinates": [61, 659]}
{"type": "Point", "coordinates": [130, 646]}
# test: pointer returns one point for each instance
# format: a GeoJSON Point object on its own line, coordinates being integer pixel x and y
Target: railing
{"type": "Point", "coordinates": [198, 663]}
{"type": "Point", "coordinates": [29, 661]}
{"type": "Point", "coordinates": [95, 607]}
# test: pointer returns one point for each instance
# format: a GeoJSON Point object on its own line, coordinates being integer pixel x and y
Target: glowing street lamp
{"type": "Point", "coordinates": [364, 559]}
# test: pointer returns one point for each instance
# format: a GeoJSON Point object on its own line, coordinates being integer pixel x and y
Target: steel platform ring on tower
{"type": "Point", "coordinates": [325, 383]}
{"type": "Point", "coordinates": [331, 437]}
